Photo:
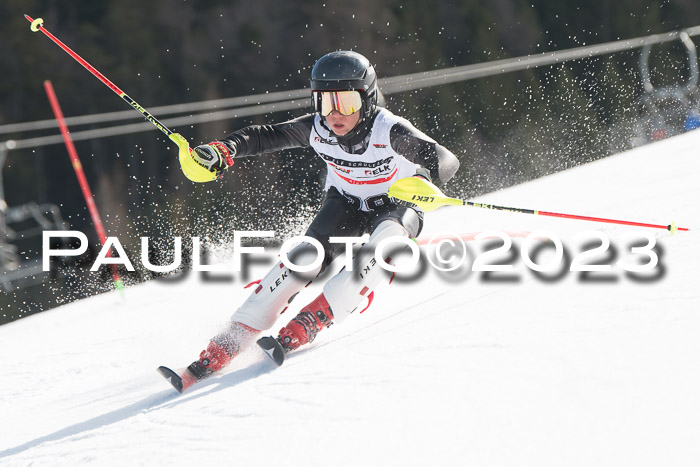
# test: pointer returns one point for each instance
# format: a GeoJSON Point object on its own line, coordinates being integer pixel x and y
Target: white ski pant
{"type": "Point", "coordinates": [345, 291]}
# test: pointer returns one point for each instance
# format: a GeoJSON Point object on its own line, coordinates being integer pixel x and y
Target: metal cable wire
{"type": "Point", "coordinates": [287, 100]}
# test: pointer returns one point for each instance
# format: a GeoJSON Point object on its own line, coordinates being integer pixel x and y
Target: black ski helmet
{"type": "Point", "coordinates": [346, 71]}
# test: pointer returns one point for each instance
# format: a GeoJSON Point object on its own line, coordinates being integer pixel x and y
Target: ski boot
{"type": "Point", "coordinates": [218, 354]}
{"type": "Point", "coordinates": [304, 327]}
{"type": "Point", "coordinates": [214, 358]}
{"type": "Point", "coordinates": [300, 330]}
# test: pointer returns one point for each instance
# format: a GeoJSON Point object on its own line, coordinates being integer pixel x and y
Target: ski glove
{"type": "Point", "coordinates": [216, 157]}
{"type": "Point", "coordinates": [424, 173]}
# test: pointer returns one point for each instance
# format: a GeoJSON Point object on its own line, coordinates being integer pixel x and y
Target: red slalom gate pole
{"type": "Point", "coordinates": [82, 180]}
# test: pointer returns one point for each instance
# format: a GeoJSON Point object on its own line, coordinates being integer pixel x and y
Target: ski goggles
{"type": "Point", "coordinates": [345, 102]}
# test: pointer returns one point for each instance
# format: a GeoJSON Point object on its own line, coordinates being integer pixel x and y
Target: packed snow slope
{"type": "Point", "coordinates": [455, 368]}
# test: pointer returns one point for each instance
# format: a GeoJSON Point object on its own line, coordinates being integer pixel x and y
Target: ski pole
{"type": "Point", "coordinates": [428, 197]}
{"type": "Point", "coordinates": [37, 25]}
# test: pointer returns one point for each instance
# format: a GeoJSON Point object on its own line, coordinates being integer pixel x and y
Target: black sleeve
{"type": "Point", "coordinates": [420, 149]}
{"type": "Point", "coordinates": [260, 139]}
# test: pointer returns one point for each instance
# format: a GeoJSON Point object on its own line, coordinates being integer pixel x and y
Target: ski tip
{"type": "Point", "coordinates": [172, 377]}
{"type": "Point", "coordinates": [273, 349]}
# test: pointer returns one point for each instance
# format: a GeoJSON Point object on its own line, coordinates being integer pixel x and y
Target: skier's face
{"type": "Point", "coordinates": [341, 124]}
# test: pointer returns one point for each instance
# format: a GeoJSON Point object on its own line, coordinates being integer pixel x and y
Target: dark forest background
{"type": "Point", "coordinates": [505, 129]}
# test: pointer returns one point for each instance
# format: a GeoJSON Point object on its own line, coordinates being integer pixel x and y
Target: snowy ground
{"type": "Point", "coordinates": [453, 369]}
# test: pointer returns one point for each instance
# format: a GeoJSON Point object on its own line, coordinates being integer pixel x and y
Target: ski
{"type": "Point", "coordinates": [273, 349]}
{"type": "Point", "coordinates": [179, 382]}
{"type": "Point", "coordinates": [172, 377]}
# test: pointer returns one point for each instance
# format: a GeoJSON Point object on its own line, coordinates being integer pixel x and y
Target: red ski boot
{"type": "Point", "coordinates": [218, 354]}
{"type": "Point", "coordinates": [214, 358]}
{"type": "Point", "coordinates": [304, 327]}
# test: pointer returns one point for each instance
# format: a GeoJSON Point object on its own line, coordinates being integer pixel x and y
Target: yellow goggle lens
{"type": "Point", "coordinates": [345, 102]}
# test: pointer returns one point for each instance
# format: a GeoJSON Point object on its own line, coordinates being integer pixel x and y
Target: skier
{"type": "Point", "coordinates": [366, 149]}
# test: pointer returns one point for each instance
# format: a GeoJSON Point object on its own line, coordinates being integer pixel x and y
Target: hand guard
{"type": "Point", "coordinates": [420, 173]}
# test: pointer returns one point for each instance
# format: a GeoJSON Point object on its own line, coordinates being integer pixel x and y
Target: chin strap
{"type": "Point", "coordinates": [357, 140]}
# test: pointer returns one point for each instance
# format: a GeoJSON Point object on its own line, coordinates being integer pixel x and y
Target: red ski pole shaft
{"type": "Point", "coordinates": [672, 227]}
{"type": "Point", "coordinates": [80, 173]}
{"type": "Point", "coordinates": [37, 25]}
